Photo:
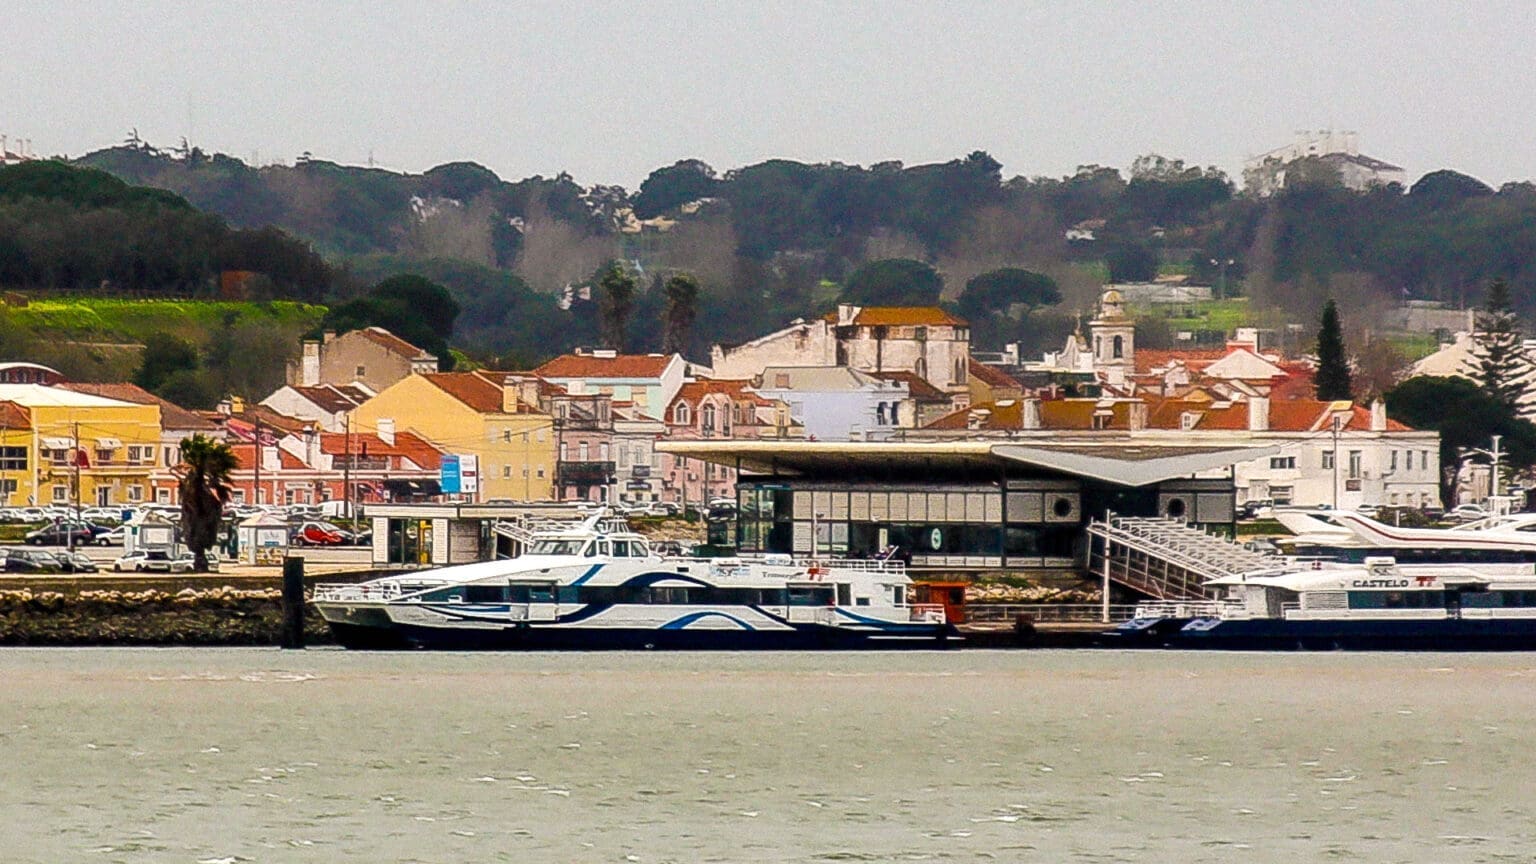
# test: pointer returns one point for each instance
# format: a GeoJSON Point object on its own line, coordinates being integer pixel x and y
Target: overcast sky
{"type": "Point", "coordinates": [610, 91]}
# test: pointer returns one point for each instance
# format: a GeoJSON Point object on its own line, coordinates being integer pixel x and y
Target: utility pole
{"type": "Point", "coordinates": [346, 471]}
{"type": "Point", "coordinates": [70, 531]}
{"type": "Point", "coordinates": [1337, 422]}
{"type": "Point", "coordinates": [256, 490]}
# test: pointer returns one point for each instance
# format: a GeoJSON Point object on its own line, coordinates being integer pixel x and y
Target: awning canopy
{"type": "Point", "coordinates": [108, 443]}
{"type": "Point", "coordinates": [412, 488]}
{"type": "Point", "coordinates": [1122, 461]}
{"type": "Point", "coordinates": [58, 443]}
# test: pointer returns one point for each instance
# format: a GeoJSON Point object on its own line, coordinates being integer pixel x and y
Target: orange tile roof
{"type": "Point", "coordinates": [13, 416]}
{"type": "Point", "coordinates": [332, 399]}
{"type": "Point", "coordinates": [1294, 415]}
{"type": "Point", "coordinates": [245, 455]}
{"type": "Point", "coordinates": [390, 342]}
{"type": "Point", "coordinates": [736, 389]}
{"type": "Point", "coordinates": [471, 388]}
{"type": "Point", "coordinates": [407, 444]}
{"type": "Point", "coordinates": [620, 366]}
{"type": "Point", "coordinates": [1147, 359]}
{"type": "Point", "coordinates": [898, 316]}
{"type": "Point", "coordinates": [1074, 414]}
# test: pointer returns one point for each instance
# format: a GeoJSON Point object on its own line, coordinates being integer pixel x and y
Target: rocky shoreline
{"type": "Point", "coordinates": [223, 616]}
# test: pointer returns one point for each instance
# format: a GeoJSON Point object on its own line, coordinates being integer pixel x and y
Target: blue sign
{"type": "Point", "coordinates": [450, 475]}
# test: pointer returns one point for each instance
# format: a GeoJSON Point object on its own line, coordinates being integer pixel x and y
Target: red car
{"type": "Point", "coordinates": [317, 534]}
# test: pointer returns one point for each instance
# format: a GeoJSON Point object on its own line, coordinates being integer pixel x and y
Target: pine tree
{"type": "Point", "coordinates": [1332, 379]}
{"type": "Point", "coordinates": [1499, 363]}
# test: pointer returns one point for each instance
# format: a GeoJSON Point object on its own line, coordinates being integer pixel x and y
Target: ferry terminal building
{"type": "Point", "coordinates": [978, 505]}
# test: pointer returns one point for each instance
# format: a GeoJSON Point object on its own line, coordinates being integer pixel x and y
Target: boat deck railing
{"type": "Point", "coordinates": [1066, 613]}
{"type": "Point", "coordinates": [341, 592]}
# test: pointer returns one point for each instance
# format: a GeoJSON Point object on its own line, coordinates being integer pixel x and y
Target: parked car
{"type": "Point", "coordinates": [1256, 508]}
{"type": "Point", "coordinates": [317, 534]}
{"type": "Point", "coordinates": [30, 561]}
{"type": "Point", "coordinates": [1466, 513]}
{"type": "Point", "coordinates": [1262, 545]}
{"type": "Point", "coordinates": [111, 538]}
{"type": "Point", "coordinates": [63, 534]}
{"type": "Point", "coordinates": [102, 514]}
{"type": "Point", "coordinates": [144, 560]}
{"type": "Point", "coordinates": [184, 561]}
{"type": "Point", "coordinates": [74, 562]}
{"type": "Point", "coordinates": [1369, 511]}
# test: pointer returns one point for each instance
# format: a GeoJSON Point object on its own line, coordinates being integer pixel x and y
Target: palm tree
{"type": "Point", "coordinates": [677, 317]}
{"type": "Point", "coordinates": [205, 468]}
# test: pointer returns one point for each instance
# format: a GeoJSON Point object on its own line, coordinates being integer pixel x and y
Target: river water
{"type": "Point", "coordinates": [327, 756]}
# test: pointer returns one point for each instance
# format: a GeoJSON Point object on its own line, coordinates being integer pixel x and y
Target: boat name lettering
{"type": "Point", "coordinates": [1379, 583]}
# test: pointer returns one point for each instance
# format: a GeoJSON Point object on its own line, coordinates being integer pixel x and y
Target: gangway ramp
{"type": "Point", "coordinates": [1167, 559]}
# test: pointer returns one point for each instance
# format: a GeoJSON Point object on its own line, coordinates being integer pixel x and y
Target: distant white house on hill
{"type": "Point", "coordinates": [1265, 174]}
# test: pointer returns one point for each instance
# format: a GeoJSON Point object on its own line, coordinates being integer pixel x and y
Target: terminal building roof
{"type": "Point", "coordinates": [1123, 462]}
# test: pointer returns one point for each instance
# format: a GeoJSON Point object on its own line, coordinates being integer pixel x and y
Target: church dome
{"type": "Point", "coordinates": [1112, 296]}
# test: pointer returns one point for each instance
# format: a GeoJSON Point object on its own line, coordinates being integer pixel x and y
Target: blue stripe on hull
{"type": "Point", "coordinates": [535, 638]}
{"type": "Point", "coordinates": [1446, 635]}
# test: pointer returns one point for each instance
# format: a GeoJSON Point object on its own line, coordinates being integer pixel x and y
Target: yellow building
{"type": "Point", "coordinates": [114, 444]}
{"type": "Point", "coordinates": [474, 414]}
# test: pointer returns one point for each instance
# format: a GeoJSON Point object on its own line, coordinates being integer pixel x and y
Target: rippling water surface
{"type": "Point", "coordinates": [249, 755]}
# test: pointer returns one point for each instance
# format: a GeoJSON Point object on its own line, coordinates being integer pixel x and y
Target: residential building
{"type": "Point", "coordinates": [926, 341]}
{"type": "Point", "coordinates": [29, 373]}
{"type": "Point", "coordinates": [1266, 173]}
{"type": "Point", "coordinates": [649, 381]}
{"type": "Point", "coordinates": [176, 425]}
{"type": "Point", "coordinates": [372, 356]}
{"type": "Point", "coordinates": [721, 409]}
{"type": "Point", "coordinates": [326, 405]}
{"type": "Point", "coordinates": [86, 448]}
{"type": "Point", "coordinates": [495, 417]}
{"type": "Point", "coordinates": [16, 455]}
{"type": "Point", "coordinates": [838, 403]}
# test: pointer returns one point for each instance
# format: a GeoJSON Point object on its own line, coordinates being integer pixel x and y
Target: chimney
{"type": "Point", "coordinates": [1136, 416]}
{"type": "Point", "coordinates": [846, 312]}
{"type": "Point", "coordinates": [309, 364]}
{"type": "Point", "coordinates": [528, 391]}
{"type": "Point", "coordinates": [312, 448]}
{"type": "Point", "coordinates": [327, 335]}
{"type": "Point", "coordinates": [386, 430]}
{"type": "Point", "coordinates": [1029, 415]}
{"type": "Point", "coordinates": [1258, 414]}
{"type": "Point", "coordinates": [1378, 416]}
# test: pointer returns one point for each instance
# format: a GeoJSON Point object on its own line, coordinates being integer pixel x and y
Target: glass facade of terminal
{"type": "Point", "coordinates": [1017, 523]}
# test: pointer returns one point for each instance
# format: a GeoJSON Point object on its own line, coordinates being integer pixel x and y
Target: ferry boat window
{"type": "Point", "coordinates": [485, 593]}
{"type": "Point", "coordinates": [898, 595]}
{"type": "Point", "coordinates": [555, 547]}
{"type": "Point", "coordinates": [810, 596]}
{"type": "Point", "coordinates": [844, 594]}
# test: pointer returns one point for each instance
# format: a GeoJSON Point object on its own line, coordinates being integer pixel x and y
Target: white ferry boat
{"type": "Point", "coordinates": [1348, 536]}
{"type": "Point", "coordinates": [592, 587]}
{"type": "Point", "coordinates": [1378, 605]}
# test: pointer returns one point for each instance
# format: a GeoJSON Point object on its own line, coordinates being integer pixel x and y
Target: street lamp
{"type": "Point", "coordinates": [1221, 275]}
{"type": "Point", "coordinates": [1494, 455]}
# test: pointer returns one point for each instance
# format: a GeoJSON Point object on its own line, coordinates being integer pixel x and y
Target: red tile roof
{"type": "Point", "coordinates": [1294, 415]}
{"type": "Point", "coordinates": [898, 316]}
{"type": "Point", "coordinates": [1147, 359]}
{"type": "Point", "coordinates": [1076, 414]}
{"type": "Point", "coordinates": [13, 416]}
{"type": "Point", "coordinates": [628, 366]}
{"type": "Point", "coordinates": [471, 388]}
{"type": "Point", "coordinates": [736, 389]}
{"type": "Point", "coordinates": [407, 444]}
{"type": "Point", "coordinates": [390, 342]}
{"type": "Point", "coordinates": [991, 375]}
{"type": "Point", "coordinates": [245, 455]}
{"type": "Point", "coordinates": [919, 388]}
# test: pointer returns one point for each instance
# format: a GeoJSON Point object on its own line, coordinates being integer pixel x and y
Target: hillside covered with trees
{"type": "Point", "coordinates": [781, 239]}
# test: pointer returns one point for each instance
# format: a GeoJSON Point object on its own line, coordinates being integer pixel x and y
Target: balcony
{"type": "Point", "coordinates": [584, 473]}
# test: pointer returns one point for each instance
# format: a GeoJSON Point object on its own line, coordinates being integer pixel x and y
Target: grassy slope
{"type": "Point", "coordinates": [110, 320]}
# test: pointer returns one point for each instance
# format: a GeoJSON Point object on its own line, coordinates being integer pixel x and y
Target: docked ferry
{"type": "Point", "coordinates": [589, 587]}
{"type": "Point", "coordinates": [1378, 605]}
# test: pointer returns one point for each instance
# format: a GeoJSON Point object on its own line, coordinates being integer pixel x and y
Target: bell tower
{"type": "Point", "coordinates": [1114, 337]}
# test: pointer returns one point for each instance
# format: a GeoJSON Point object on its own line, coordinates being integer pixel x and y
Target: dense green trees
{"type": "Point", "coordinates": [679, 313]}
{"type": "Point", "coordinates": [1332, 379]}
{"type": "Point", "coordinates": [894, 282]}
{"type": "Point", "coordinates": [616, 305]}
{"type": "Point", "coordinates": [412, 307]}
{"type": "Point", "coordinates": [1466, 416]}
{"type": "Point", "coordinates": [989, 300]}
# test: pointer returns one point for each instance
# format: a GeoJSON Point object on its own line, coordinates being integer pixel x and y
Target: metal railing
{"type": "Point", "coordinates": [341, 592]}
{"type": "Point", "coordinates": [1084, 613]}
{"type": "Point", "coordinates": [1168, 560]}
